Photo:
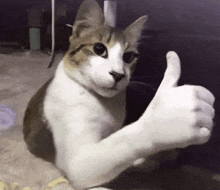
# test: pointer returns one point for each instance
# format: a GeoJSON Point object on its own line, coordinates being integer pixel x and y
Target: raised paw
{"type": "Point", "coordinates": [179, 116]}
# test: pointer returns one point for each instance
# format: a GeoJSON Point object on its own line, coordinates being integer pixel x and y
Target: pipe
{"type": "Point", "coordinates": [52, 32]}
{"type": "Point", "coordinates": [110, 12]}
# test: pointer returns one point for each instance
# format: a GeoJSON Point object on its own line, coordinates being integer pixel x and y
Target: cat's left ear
{"type": "Point", "coordinates": [89, 16]}
{"type": "Point", "coordinates": [133, 31]}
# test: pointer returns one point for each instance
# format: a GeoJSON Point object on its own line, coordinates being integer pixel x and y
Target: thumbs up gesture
{"type": "Point", "coordinates": [179, 116]}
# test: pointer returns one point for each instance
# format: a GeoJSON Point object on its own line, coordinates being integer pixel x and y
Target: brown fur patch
{"type": "Point", "coordinates": [38, 137]}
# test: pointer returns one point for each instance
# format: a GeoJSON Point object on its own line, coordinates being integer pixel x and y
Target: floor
{"type": "Point", "coordinates": [22, 73]}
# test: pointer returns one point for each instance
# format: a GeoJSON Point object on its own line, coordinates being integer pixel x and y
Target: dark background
{"type": "Point", "coordinates": [190, 27]}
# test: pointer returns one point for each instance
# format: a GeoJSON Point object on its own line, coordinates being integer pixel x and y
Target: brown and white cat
{"type": "Point", "coordinates": [75, 120]}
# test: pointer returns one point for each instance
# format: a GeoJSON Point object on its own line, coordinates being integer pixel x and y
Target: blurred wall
{"type": "Point", "coordinates": [192, 16]}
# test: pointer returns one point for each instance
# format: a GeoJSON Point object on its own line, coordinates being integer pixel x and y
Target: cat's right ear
{"type": "Point", "coordinates": [133, 31]}
{"type": "Point", "coordinates": [89, 16]}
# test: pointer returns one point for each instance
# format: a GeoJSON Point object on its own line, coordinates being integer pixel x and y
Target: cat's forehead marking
{"type": "Point", "coordinates": [112, 36]}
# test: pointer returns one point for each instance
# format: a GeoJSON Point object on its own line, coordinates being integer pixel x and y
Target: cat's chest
{"type": "Point", "coordinates": [75, 107]}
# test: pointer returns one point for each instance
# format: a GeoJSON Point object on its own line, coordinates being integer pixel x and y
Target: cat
{"type": "Point", "coordinates": [76, 119]}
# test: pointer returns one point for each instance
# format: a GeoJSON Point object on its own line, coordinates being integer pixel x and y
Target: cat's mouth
{"type": "Point", "coordinates": [109, 91]}
{"type": "Point", "coordinates": [107, 86]}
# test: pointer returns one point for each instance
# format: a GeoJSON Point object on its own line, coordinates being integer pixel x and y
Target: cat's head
{"type": "Point", "coordinates": [101, 58]}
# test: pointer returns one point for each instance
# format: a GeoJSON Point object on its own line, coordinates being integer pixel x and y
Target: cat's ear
{"type": "Point", "coordinates": [89, 16]}
{"type": "Point", "coordinates": [133, 31]}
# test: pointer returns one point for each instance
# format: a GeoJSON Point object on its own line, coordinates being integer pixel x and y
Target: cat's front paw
{"type": "Point", "coordinates": [179, 116]}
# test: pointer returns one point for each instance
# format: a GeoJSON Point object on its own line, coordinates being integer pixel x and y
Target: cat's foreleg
{"type": "Point", "coordinates": [89, 162]}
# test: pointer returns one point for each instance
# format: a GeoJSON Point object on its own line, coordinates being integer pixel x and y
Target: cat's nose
{"type": "Point", "coordinates": [117, 76]}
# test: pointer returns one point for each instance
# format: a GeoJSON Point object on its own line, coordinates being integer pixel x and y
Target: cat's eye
{"type": "Point", "coordinates": [128, 57]}
{"type": "Point", "coordinates": [100, 50]}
